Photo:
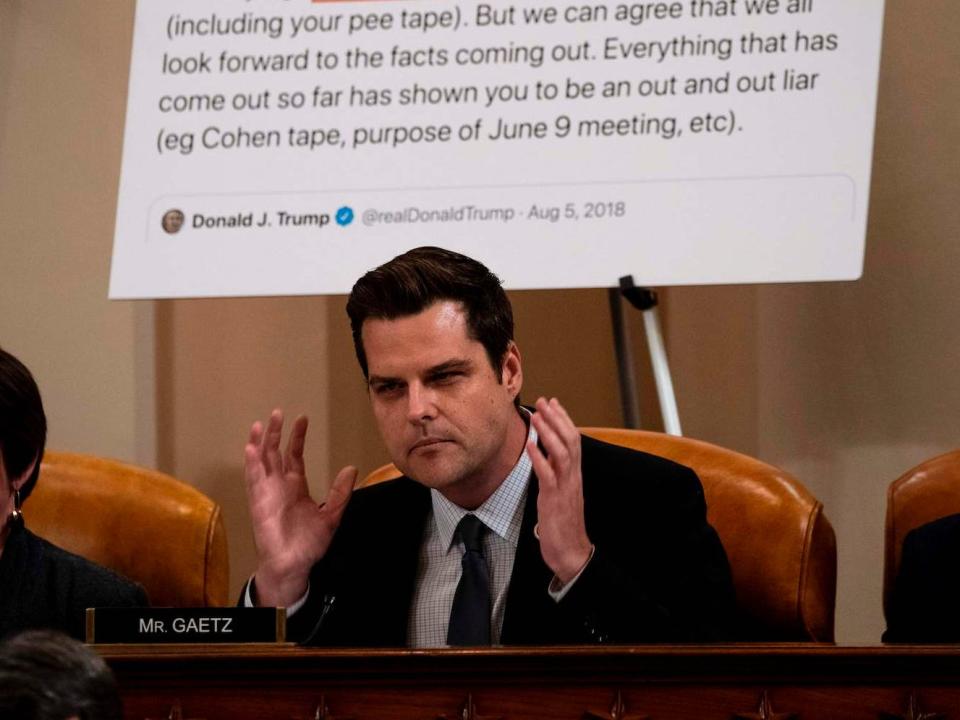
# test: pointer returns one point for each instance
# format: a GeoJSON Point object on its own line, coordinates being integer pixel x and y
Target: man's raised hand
{"type": "Point", "coordinates": [560, 523]}
{"type": "Point", "coordinates": [291, 532]}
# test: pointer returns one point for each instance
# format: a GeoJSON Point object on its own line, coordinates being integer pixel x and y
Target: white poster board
{"type": "Point", "coordinates": [278, 147]}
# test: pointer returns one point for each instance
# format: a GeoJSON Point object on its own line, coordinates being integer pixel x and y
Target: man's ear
{"type": "Point", "coordinates": [511, 374]}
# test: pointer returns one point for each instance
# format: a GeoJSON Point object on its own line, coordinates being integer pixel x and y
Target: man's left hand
{"type": "Point", "coordinates": [563, 535]}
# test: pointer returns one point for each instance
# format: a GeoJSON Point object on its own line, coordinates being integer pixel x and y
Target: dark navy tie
{"type": "Point", "coordinates": [470, 615]}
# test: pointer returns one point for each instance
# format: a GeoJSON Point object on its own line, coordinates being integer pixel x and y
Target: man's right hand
{"type": "Point", "coordinates": [290, 530]}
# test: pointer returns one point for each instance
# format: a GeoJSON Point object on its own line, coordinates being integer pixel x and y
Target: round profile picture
{"type": "Point", "coordinates": [172, 221]}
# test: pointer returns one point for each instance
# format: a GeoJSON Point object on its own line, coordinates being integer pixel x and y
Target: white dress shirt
{"type": "Point", "coordinates": [439, 567]}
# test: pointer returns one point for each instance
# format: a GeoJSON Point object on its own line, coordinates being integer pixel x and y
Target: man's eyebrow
{"type": "Point", "coordinates": [450, 365]}
{"type": "Point", "coordinates": [374, 379]}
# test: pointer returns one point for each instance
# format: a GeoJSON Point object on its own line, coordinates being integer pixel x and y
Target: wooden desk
{"type": "Point", "coordinates": [772, 682]}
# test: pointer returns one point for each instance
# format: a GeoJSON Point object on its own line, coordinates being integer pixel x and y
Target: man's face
{"type": "Point", "coordinates": [173, 221]}
{"type": "Point", "coordinates": [447, 419]}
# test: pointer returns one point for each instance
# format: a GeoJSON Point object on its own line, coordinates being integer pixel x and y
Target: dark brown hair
{"type": "Point", "coordinates": [23, 425]}
{"type": "Point", "coordinates": [45, 675]}
{"type": "Point", "coordinates": [412, 282]}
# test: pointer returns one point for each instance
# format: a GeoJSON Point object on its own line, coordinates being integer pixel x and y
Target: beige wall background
{"type": "Point", "coordinates": [846, 385]}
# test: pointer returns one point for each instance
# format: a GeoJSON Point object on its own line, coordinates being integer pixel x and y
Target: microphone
{"type": "Point", "coordinates": [328, 601]}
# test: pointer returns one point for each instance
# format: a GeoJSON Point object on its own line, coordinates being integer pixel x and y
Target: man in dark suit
{"type": "Point", "coordinates": [508, 526]}
{"type": "Point", "coordinates": [926, 595]}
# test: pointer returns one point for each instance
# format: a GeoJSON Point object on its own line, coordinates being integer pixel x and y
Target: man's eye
{"type": "Point", "coordinates": [446, 377]}
{"type": "Point", "coordinates": [386, 388]}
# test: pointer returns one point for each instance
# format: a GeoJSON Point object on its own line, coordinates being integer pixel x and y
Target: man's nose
{"type": "Point", "coordinates": [420, 403]}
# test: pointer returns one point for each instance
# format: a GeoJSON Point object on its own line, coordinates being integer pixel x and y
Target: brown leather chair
{"type": "Point", "coordinates": [929, 491]}
{"type": "Point", "coordinates": [781, 546]}
{"type": "Point", "coordinates": [150, 527]}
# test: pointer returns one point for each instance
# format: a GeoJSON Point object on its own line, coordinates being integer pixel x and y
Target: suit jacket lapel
{"type": "Point", "coordinates": [375, 568]}
{"type": "Point", "coordinates": [530, 609]}
{"type": "Point", "coordinates": [402, 556]}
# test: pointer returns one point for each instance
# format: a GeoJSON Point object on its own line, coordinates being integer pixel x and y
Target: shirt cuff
{"type": "Point", "coordinates": [558, 590]}
{"type": "Point", "coordinates": [248, 597]}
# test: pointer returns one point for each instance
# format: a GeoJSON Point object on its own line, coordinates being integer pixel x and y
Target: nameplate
{"type": "Point", "coordinates": [186, 625]}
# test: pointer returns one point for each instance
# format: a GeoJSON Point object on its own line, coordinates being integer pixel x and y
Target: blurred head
{"type": "Point", "coordinates": [411, 282]}
{"type": "Point", "coordinates": [23, 426]}
{"type": "Point", "coordinates": [45, 675]}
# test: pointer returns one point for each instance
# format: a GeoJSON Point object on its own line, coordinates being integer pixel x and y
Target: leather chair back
{"type": "Point", "coordinates": [147, 526]}
{"type": "Point", "coordinates": [929, 491]}
{"type": "Point", "coordinates": [782, 548]}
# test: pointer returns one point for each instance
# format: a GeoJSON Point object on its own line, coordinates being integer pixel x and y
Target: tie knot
{"type": "Point", "coordinates": [471, 530]}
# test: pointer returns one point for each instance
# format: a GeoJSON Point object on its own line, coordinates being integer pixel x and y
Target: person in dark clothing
{"type": "Point", "coordinates": [926, 594]}
{"type": "Point", "coordinates": [41, 585]}
{"type": "Point", "coordinates": [508, 526]}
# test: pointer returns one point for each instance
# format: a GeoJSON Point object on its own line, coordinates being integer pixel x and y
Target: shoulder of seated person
{"type": "Point", "coordinates": [620, 461]}
{"type": "Point", "coordinates": [104, 586]}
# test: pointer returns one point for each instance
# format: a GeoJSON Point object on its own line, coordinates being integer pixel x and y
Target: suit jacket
{"type": "Point", "coordinates": [926, 595]}
{"type": "Point", "coordinates": [43, 586]}
{"type": "Point", "coordinates": [658, 574]}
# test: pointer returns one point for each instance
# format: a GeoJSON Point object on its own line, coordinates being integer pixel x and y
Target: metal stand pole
{"type": "Point", "coordinates": [645, 300]}
{"type": "Point", "coordinates": [629, 402]}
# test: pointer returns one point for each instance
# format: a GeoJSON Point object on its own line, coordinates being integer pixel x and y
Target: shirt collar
{"type": "Point", "coordinates": [502, 511]}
